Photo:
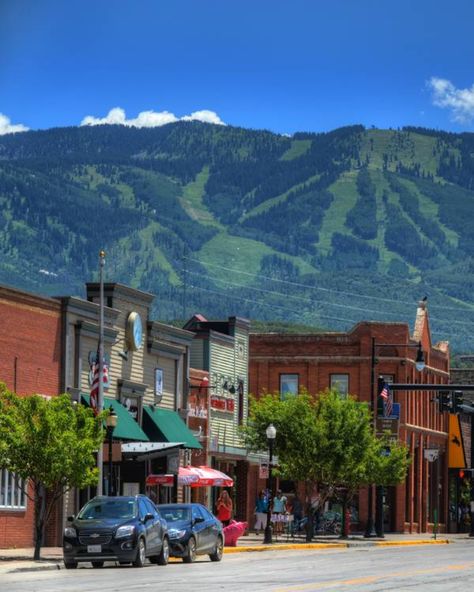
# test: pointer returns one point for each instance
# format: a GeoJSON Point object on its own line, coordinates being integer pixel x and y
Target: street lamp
{"type": "Point", "coordinates": [420, 366]}
{"type": "Point", "coordinates": [271, 435]}
{"type": "Point", "coordinates": [111, 424]}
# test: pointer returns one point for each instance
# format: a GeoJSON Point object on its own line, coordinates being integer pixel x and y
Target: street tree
{"type": "Point", "coordinates": [49, 444]}
{"type": "Point", "coordinates": [327, 442]}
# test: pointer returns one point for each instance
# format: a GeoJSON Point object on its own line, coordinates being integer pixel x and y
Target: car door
{"type": "Point", "coordinates": [157, 523]}
{"type": "Point", "coordinates": [199, 529]}
{"type": "Point", "coordinates": [212, 528]}
{"type": "Point", "coordinates": [149, 526]}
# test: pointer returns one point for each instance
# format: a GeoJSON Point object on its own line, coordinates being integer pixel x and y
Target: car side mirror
{"type": "Point", "coordinates": [70, 518]}
{"type": "Point", "coordinates": [198, 519]}
{"type": "Point", "coordinates": [148, 516]}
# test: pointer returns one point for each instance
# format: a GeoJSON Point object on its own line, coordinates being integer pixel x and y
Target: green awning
{"type": "Point", "coordinates": [167, 426]}
{"type": "Point", "coordinates": [127, 428]}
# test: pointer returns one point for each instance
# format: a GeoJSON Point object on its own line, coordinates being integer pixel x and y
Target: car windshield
{"type": "Point", "coordinates": [96, 509]}
{"type": "Point", "coordinates": [176, 514]}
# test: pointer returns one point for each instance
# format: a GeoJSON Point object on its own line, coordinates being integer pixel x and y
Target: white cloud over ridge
{"type": "Point", "coordinates": [460, 101]}
{"type": "Point", "coordinates": [6, 127]}
{"type": "Point", "coordinates": [117, 116]}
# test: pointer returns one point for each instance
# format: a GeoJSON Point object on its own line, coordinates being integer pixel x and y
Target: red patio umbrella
{"type": "Point", "coordinates": [206, 477]}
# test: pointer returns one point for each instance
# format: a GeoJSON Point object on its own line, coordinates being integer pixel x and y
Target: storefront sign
{"type": "Point", "coordinates": [222, 404]}
{"type": "Point", "coordinates": [166, 480]}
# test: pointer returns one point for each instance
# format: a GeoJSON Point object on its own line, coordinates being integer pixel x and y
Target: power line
{"type": "Point", "coordinates": [309, 301]}
{"type": "Point", "coordinates": [330, 290]}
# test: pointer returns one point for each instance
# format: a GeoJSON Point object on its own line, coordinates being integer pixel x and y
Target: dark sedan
{"type": "Point", "coordinates": [193, 531]}
{"type": "Point", "coordinates": [124, 529]}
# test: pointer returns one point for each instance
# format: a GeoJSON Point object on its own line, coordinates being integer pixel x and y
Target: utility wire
{"type": "Point", "coordinates": [309, 301]}
{"type": "Point", "coordinates": [330, 290]}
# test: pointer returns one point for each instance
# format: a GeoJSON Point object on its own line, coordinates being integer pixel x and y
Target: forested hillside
{"type": "Point", "coordinates": [322, 230]}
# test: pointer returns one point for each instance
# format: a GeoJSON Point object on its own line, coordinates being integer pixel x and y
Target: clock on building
{"type": "Point", "coordinates": [134, 331]}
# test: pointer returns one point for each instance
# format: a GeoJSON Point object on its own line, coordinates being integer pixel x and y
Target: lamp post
{"type": "Point", "coordinates": [370, 531]}
{"type": "Point", "coordinates": [271, 435]}
{"type": "Point", "coordinates": [111, 423]}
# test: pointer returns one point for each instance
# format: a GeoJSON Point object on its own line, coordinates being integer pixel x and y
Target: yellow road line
{"type": "Point", "coordinates": [375, 578]}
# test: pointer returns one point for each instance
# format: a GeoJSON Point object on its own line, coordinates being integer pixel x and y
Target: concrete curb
{"type": "Point", "coordinates": [32, 568]}
{"type": "Point", "coordinates": [341, 545]}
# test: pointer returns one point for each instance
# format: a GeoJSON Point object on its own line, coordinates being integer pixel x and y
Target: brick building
{"type": "Point", "coordinates": [30, 363]}
{"type": "Point", "coordinates": [285, 363]}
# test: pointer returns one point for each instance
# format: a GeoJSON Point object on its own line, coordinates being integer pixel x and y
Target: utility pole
{"type": "Point", "coordinates": [100, 402]}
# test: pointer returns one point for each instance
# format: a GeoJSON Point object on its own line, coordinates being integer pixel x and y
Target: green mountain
{"type": "Point", "coordinates": [323, 230]}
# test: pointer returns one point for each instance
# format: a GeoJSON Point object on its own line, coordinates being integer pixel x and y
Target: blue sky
{"type": "Point", "coordinates": [280, 65]}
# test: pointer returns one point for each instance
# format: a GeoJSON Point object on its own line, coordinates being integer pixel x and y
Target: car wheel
{"type": "Point", "coordinates": [141, 554]}
{"type": "Point", "coordinates": [191, 551]}
{"type": "Point", "coordinates": [164, 556]}
{"type": "Point", "coordinates": [218, 551]}
{"type": "Point", "coordinates": [70, 564]}
{"type": "Point", "coordinates": [97, 564]}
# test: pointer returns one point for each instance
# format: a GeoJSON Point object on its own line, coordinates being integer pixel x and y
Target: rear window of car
{"type": "Point", "coordinates": [96, 509]}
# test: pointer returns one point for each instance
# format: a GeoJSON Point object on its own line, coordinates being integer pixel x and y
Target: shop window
{"type": "Point", "coordinates": [12, 493]}
{"type": "Point", "coordinates": [340, 383]}
{"type": "Point", "coordinates": [289, 385]}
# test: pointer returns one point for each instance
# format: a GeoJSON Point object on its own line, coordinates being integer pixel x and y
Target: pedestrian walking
{"type": "Point", "coordinates": [279, 507]}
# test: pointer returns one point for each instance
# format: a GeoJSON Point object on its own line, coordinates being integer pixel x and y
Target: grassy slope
{"type": "Point", "coordinates": [241, 254]}
{"type": "Point", "coordinates": [191, 200]}
{"type": "Point", "coordinates": [297, 149]}
{"type": "Point", "coordinates": [273, 201]}
{"type": "Point", "coordinates": [345, 197]}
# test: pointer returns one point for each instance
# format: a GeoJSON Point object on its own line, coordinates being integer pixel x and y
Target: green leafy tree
{"type": "Point", "coordinates": [49, 444]}
{"type": "Point", "coordinates": [326, 441]}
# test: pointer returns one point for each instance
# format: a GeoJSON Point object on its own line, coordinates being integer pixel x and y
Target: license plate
{"type": "Point", "coordinates": [94, 548]}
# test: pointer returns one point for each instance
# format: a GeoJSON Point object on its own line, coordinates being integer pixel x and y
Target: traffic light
{"type": "Point", "coordinates": [444, 400]}
{"type": "Point", "coordinates": [458, 400]}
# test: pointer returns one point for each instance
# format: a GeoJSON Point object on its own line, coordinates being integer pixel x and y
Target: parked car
{"type": "Point", "coordinates": [127, 529]}
{"type": "Point", "coordinates": [193, 531]}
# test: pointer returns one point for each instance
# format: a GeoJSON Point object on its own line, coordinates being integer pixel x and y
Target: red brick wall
{"type": "Point", "coordinates": [30, 362]}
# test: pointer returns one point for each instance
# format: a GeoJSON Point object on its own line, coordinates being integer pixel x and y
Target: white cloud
{"type": "Point", "coordinates": [117, 116]}
{"type": "Point", "coordinates": [6, 127]}
{"type": "Point", "coordinates": [460, 101]}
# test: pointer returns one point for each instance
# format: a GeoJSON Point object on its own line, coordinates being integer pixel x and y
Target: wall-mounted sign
{"type": "Point", "coordinates": [222, 404]}
{"type": "Point", "coordinates": [263, 470]}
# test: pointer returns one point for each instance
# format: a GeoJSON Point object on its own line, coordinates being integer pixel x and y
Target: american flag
{"type": "Point", "coordinates": [95, 382]}
{"type": "Point", "coordinates": [387, 396]}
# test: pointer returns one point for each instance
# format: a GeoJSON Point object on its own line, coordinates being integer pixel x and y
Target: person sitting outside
{"type": "Point", "coordinates": [261, 509]}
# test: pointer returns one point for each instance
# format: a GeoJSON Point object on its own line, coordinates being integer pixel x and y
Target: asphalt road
{"type": "Point", "coordinates": [430, 568]}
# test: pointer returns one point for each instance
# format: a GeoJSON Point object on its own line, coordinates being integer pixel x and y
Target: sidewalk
{"type": "Point", "coordinates": [15, 560]}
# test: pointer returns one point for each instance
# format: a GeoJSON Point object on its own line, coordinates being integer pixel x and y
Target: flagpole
{"type": "Point", "coordinates": [100, 401]}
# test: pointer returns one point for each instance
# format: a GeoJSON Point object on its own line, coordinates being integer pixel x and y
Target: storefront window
{"type": "Point", "coordinates": [12, 495]}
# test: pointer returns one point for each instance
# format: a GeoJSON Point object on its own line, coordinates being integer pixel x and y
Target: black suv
{"type": "Point", "coordinates": [124, 529]}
